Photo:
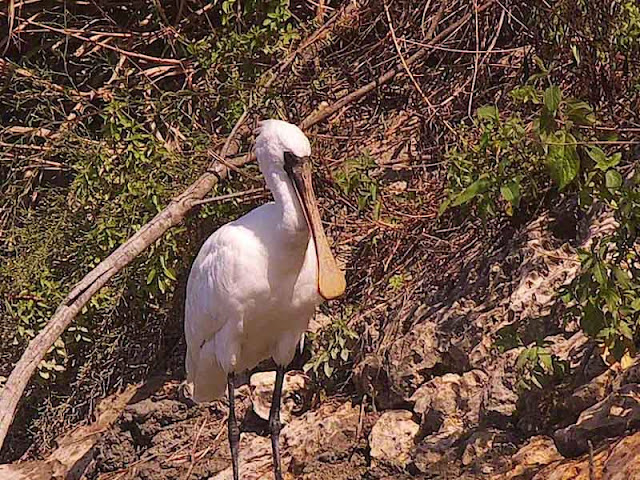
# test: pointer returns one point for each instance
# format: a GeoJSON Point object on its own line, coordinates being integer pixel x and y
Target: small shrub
{"type": "Point", "coordinates": [356, 181]}
{"type": "Point", "coordinates": [504, 163]}
{"type": "Point", "coordinates": [331, 349]}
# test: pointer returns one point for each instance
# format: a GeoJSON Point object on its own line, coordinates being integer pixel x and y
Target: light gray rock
{"type": "Point", "coordinates": [393, 437]}
{"type": "Point", "coordinates": [531, 457]}
{"type": "Point", "coordinates": [450, 401]}
{"type": "Point", "coordinates": [331, 428]}
{"type": "Point", "coordinates": [296, 394]}
{"type": "Point", "coordinates": [501, 396]}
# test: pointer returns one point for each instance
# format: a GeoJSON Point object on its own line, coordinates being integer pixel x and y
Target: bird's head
{"type": "Point", "coordinates": [283, 145]}
{"type": "Point", "coordinates": [277, 138]}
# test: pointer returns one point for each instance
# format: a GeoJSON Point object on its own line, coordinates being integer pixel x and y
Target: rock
{"type": "Point", "coordinates": [448, 406]}
{"type": "Point", "coordinates": [296, 394]}
{"type": "Point", "coordinates": [75, 450]}
{"type": "Point", "coordinates": [538, 460]}
{"type": "Point", "coordinates": [501, 396]}
{"type": "Point", "coordinates": [609, 418]}
{"type": "Point", "coordinates": [546, 266]}
{"type": "Point", "coordinates": [412, 357]}
{"type": "Point", "coordinates": [371, 378]}
{"type": "Point", "coordinates": [591, 393]}
{"type": "Point", "coordinates": [329, 428]}
{"type": "Point", "coordinates": [535, 454]}
{"type": "Point", "coordinates": [624, 461]}
{"type": "Point", "coordinates": [450, 400]}
{"type": "Point", "coordinates": [392, 438]}
{"type": "Point", "coordinates": [570, 349]}
{"type": "Point", "coordinates": [479, 444]}
{"type": "Point", "coordinates": [435, 448]}
{"type": "Point", "coordinates": [255, 461]}
{"type": "Point", "coordinates": [630, 375]}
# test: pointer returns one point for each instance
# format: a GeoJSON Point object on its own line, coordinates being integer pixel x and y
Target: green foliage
{"type": "Point", "coordinates": [332, 348]}
{"type": "Point", "coordinates": [355, 180]}
{"type": "Point", "coordinates": [251, 32]}
{"type": "Point", "coordinates": [627, 34]}
{"type": "Point", "coordinates": [117, 186]}
{"type": "Point", "coordinates": [536, 367]}
{"type": "Point", "coordinates": [119, 173]}
{"type": "Point", "coordinates": [496, 168]}
{"type": "Point", "coordinates": [500, 164]}
{"type": "Point", "coordinates": [606, 294]}
{"type": "Point", "coordinates": [397, 281]}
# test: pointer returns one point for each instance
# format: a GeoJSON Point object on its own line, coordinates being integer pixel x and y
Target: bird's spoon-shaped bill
{"type": "Point", "coordinates": [331, 281]}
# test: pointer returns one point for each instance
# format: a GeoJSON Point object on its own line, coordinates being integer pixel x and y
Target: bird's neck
{"type": "Point", "coordinates": [292, 220]}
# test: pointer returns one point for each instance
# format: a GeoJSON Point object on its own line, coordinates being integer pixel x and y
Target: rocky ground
{"type": "Point", "coordinates": [432, 389]}
{"type": "Point", "coordinates": [439, 402]}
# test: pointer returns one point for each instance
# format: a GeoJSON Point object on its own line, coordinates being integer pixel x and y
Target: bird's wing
{"type": "Point", "coordinates": [224, 278]}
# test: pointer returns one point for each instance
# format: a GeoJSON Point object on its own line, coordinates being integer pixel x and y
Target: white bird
{"type": "Point", "coordinates": [256, 281]}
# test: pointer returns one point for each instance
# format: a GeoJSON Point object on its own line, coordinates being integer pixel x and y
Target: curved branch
{"type": "Point", "coordinates": [173, 214]}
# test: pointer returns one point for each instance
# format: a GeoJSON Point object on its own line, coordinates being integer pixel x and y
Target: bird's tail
{"type": "Point", "coordinates": [205, 377]}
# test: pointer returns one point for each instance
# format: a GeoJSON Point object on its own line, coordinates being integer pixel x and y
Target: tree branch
{"type": "Point", "coordinates": [173, 214]}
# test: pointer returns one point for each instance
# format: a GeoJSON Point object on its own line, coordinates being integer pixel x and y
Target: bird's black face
{"type": "Point", "coordinates": [331, 281]}
{"type": "Point", "coordinates": [292, 161]}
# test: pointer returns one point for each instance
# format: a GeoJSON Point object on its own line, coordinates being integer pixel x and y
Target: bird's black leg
{"type": "Point", "coordinates": [234, 431]}
{"type": "Point", "coordinates": [274, 422]}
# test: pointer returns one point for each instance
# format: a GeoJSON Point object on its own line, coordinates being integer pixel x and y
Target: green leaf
{"type": "Point", "coordinates": [469, 193]}
{"type": "Point", "coordinates": [538, 61]}
{"type": "Point", "coordinates": [625, 330]}
{"type": "Point", "coordinates": [151, 276]}
{"type": "Point", "coordinates": [488, 112]}
{"type": "Point", "coordinates": [613, 179]}
{"type": "Point", "coordinates": [611, 298]}
{"type": "Point", "coordinates": [580, 112]}
{"type": "Point", "coordinates": [344, 354]}
{"type": "Point", "coordinates": [598, 156]}
{"type": "Point", "coordinates": [547, 122]}
{"type": "Point", "coordinates": [523, 359]}
{"type": "Point", "coordinates": [621, 277]}
{"type": "Point", "coordinates": [562, 159]}
{"type": "Point", "coordinates": [592, 320]}
{"type": "Point", "coordinates": [546, 361]}
{"type": "Point", "coordinates": [552, 97]}
{"type": "Point", "coordinates": [328, 369]}
{"type": "Point", "coordinates": [511, 192]}
{"type": "Point", "coordinates": [576, 53]}
{"type": "Point", "coordinates": [603, 162]}
{"type": "Point", "coordinates": [169, 272]}
{"type": "Point", "coordinates": [525, 94]}
{"type": "Point", "coordinates": [600, 273]}
{"type": "Point", "coordinates": [535, 381]}
{"type": "Point", "coordinates": [443, 206]}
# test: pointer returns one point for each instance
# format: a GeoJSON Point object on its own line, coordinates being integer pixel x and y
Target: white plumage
{"type": "Point", "coordinates": [254, 285]}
